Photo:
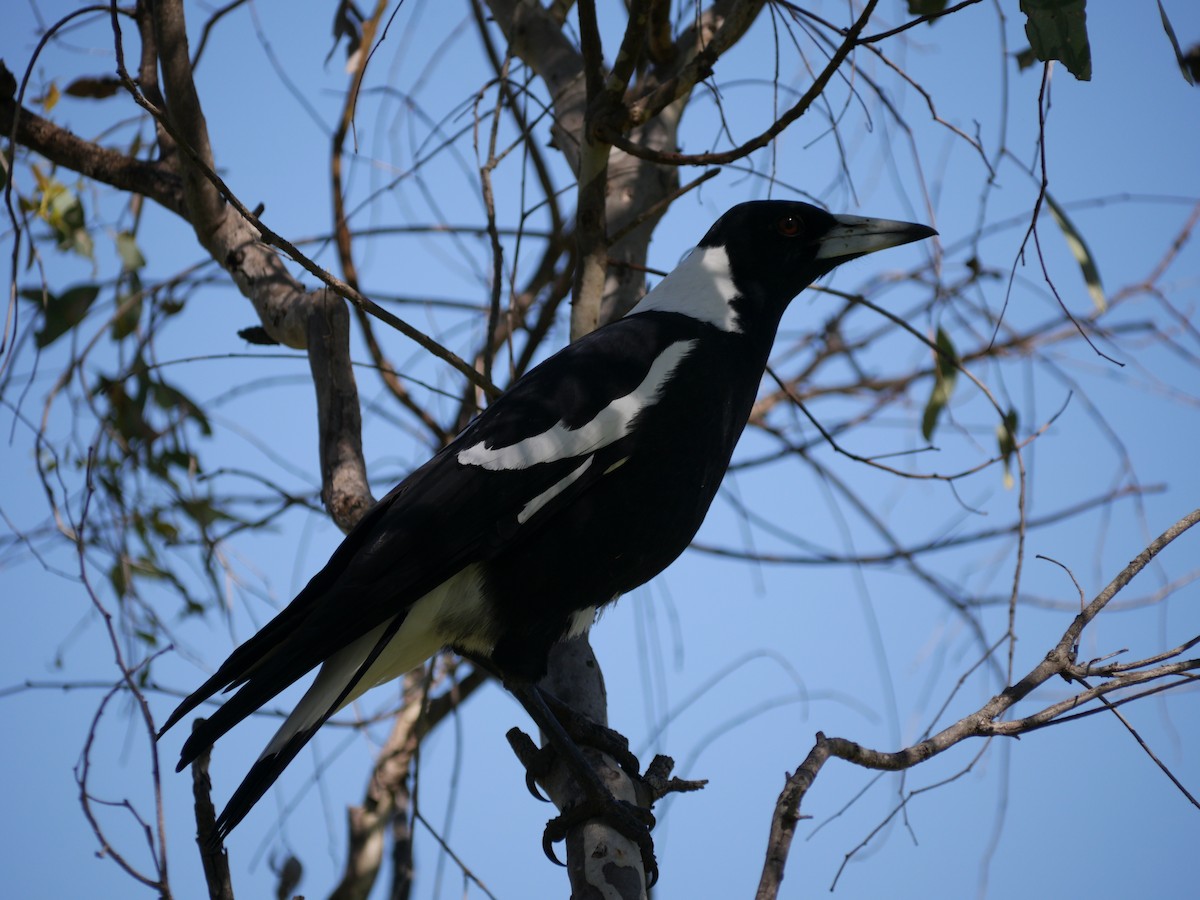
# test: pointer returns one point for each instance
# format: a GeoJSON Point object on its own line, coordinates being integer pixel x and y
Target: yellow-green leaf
{"type": "Point", "coordinates": [49, 100]}
{"type": "Point", "coordinates": [131, 256]}
{"type": "Point", "coordinates": [62, 210]}
{"type": "Point", "coordinates": [1079, 249]}
{"type": "Point", "coordinates": [945, 375]}
{"type": "Point", "coordinates": [1006, 438]}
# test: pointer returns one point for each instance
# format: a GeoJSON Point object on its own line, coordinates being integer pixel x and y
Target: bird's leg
{"type": "Point", "coordinates": [630, 820]}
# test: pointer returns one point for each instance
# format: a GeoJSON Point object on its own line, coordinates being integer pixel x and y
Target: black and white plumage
{"type": "Point", "coordinates": [588, 477]}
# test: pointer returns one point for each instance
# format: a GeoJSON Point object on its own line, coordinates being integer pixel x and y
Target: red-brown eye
{"type": "Point", "coordinates": [789, 226]}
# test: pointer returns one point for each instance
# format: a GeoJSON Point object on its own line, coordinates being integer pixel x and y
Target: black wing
{"type": "Point", "coordinates": [446, 515]}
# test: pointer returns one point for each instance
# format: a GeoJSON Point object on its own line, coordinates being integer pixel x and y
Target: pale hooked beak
{"type": "Point", "coordinates": [857, 236]}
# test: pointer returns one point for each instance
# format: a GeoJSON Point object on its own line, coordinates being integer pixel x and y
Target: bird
{"type": "Point", "coordinates": [586, 478]}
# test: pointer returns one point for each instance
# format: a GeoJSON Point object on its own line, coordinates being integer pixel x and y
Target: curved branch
{"type": "Point", "coordinates": [984, 722]}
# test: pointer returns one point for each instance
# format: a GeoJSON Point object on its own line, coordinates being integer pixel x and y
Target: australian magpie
{"type": "Point", "coordinates": [584, 480]}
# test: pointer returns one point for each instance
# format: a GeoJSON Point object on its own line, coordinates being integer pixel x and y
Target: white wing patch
{"type": "Point", "coordinates": [701, 287]}
{"type": "Point", "coordinates": [551, 492]}
{"type": "Point", "coordinates": [561, 442]}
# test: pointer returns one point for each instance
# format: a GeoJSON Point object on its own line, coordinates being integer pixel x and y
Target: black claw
{"type": "Point", "coordinates": [532, 786]}
{"type": "Point", "coordinates": [548, 845]}
{"type": "Point", "coordinates": [649, 863]}
{"type": "Point", "coordinates": [631, 821]}
{"type": "Point", "coordinates": [565, 730]}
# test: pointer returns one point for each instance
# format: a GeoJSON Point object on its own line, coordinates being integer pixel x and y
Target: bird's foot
{"type": "Point", "coordinates": [583, 732]}
{"type": "Point", "coordinates": [628, 819]}
{"type": "Point", "coordinates": [592, 798]}
{"type": "Point", "coordinates": [598, 803]}
{"type": "Point", "coordinates": [589, 733]}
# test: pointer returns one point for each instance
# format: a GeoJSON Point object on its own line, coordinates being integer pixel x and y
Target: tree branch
{"type": "Point", "coordinates": [386, 795]}
{"type": "Point", "coordinates": [609, 132]}
{"type": "Point", "coordinates": [154, 180]}
{"type": "Point", "coordinates": [1060, 661]}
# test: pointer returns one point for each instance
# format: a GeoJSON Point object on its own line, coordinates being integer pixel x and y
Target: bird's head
{"type": "Point", "coordinates": [777, 248]}
{"type": "Point", "coordinates": [761, 254]}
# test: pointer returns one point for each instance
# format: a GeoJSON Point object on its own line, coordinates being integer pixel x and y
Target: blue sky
{"type": "Point", "coordinates": [774, 653]}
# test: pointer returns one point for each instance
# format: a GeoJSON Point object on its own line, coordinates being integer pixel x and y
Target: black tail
{"type": "Point", "coordinates": [261, 776]}
{"type": "Point", "coordinates": [329, 692]}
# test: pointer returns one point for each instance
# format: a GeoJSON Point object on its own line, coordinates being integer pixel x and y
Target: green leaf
{"type": "Point", "coordinates": [1183, 63]}
{"type": "Point", "coordinates": [926, 7]}
{"type": "Point", "coordinates": [1079, 249]}
{"type": "Point", "coordinates": [171, 399]}
{"type": "Point", "coordinates": [945, 375]}
{"type": "Point", "coordinates": [1006, 437]}
{"type": "Point", "coordinates": [93, 88]}
{"type": "Point", "coordinates": [64, 312]}
{"type": "Point", "coordinates": [204, 512]}
{"type": "Point", "coordinates": [1057, 29]}
{"type": "Point", "coordinates": [164, 529]}
{"type": "Point", "coordinates": [1025, 58]}
{"type": "Point", "coordinates": [116, 576]}
{"type": "Point", "coordinates": [131, 256]}
{"type": "Point", "coordinates": [181, 459]}
{"type": "Point", "coordinates": [1191, 63]}
{"type": "Point", "coordinates": [129, 306]}
{"type": "Point", "coordinates": [126, 414]}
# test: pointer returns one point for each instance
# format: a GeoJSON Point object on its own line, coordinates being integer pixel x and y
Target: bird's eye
{"type": "Point", "coordinates": [789, 226]}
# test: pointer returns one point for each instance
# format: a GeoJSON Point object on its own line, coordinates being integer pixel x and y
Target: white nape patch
{"type": "Point", "coordinates": [561, 442]}
{"type": "Point", "coordinates": [701, 287]}
{"type": "Point", "coordinates": [581, 622]}
{"type": "Point", "coordinates": [551, 492]}
{"type": "Point", "coordinates": [443, 616]}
